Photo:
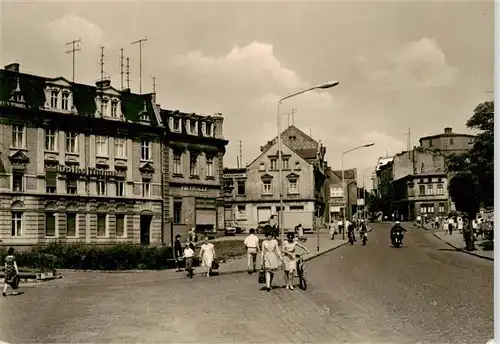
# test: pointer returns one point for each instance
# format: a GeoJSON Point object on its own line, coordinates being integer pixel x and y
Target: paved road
{"type": "Point", "coordinates": [423, 292]}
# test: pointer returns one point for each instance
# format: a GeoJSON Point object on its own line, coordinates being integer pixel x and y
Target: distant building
{"type": "Point", "coordinates": [448, 143]}
{"type": "Point", "coordinates": [253, 193]}
{"type": "Point", "coordinates": [420, 184]}
{"type": "Point", "coordinates": [336, 194]}
{"type": "Point", "coordinates": [384, 178]}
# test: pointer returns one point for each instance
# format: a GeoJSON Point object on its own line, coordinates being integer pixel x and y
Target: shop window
{"type": "Point", "coordinates": [71, 224]}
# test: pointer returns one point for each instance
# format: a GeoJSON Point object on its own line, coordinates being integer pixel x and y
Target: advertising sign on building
{"type": "Point", "coordinates": [336, 192]}
{"type": "Point", "coordinates": [361, 202]}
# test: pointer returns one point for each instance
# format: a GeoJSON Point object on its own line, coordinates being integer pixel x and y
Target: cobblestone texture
{"type": "Point", "coordinates": [422, 292]}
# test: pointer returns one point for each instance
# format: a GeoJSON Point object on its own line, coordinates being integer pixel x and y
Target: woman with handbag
{"type": "Point", "coordinates": [11, 273]}
{"type": "Point", "coordinates": [207, 255]}
{"type": "Point", "coordinates": [270, 258]}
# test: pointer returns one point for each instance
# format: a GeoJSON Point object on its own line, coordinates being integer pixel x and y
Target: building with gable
{"type": "Point", "coordinates": [253, 195]}
{"type": "Point", "coordinates": [336, 193]}
{"type": "Point", "coordinates": [78, 163]}
{"type": "Point", "coordinates": [192, 162]}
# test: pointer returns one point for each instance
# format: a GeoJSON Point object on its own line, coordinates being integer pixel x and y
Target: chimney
{"type": "Point", "coordinates": [447, 130]}
{"type": "Point", "coordinates": [13, 67]}
{"type": "Point", "coordinates": [102, 84]}
{"type": "Point", "coordinates": [126, 90]}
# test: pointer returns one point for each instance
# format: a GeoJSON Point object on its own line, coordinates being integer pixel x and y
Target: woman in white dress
{"type": "Point", "coordinates": [289, 258]}
{"type": "Point", "coordinates": [270, 258]}
{"type": "Point", "coordinates": [207, 255]}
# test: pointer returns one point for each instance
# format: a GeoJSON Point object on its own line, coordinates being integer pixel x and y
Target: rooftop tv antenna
{"type": "Point", "coordinates": [154, 84]}
{"type": "Point", "coordinates": [74, 48]}
{"type": "Point", "coordinates": [241, 154]}
{"type": "Point", "coordinates": [128, 73]}
{"type": "Point", "coordinates": [121, 68]}
{"type": "Point", "coordinates": [140, 41]}
{"type": "Point", "coordinates": [102, 63]}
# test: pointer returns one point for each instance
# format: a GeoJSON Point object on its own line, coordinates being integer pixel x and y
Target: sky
{"type": "Point", "coordinates": [421, 66]}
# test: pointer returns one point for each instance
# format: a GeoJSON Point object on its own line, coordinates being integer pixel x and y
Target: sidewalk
{"type": "Point", "coordinates": [456, 240]}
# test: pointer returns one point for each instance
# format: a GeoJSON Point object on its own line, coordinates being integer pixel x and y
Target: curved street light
{"type": "Point", "coordinates": [325, 85]}
{"type": "Point", "coordinates": [343, 182]}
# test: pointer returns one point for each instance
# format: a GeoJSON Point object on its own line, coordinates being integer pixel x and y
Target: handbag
{"type": "Point", "coordinates": [262, 277]}
{"type": "Point", "coordinates": [215, 264]}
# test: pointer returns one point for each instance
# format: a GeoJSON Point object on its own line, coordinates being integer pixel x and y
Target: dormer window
{"type": "Point", "coordinates": [188, 126]}
{"type": "Point", "coordinates": [105, 106]}
{"type": "Point", "coordinates": [194, 127]}
{"type": "Point", "coordinates": [54, 94]}
{"type": "Point", "coordinates": [204, 128]}
{"type": "Point", "coordinates": [65, 101]}
{"type": "Point", "coordinates": [209, 129]}
{"type": "Point", "coordinates": [144, 117]}
{"type": "Point", "coordinates": [114, 109]}
{"type": "Point", "coordinates": [177, 125]}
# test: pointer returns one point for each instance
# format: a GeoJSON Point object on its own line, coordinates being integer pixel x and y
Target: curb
{"type": "Point", "coordinates": [462, 250]}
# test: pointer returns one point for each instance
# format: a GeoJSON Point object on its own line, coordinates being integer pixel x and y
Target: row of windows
{"type": "Point", "coordinates": [207, 128]}
{"type": "Point", "coordinates": [61, 100]}
{"type": "Point", "coordinates": [71, 186]}
{"type": "Point", "coordinates": [193, 165]}
{"type": "Point", "coordinates": [429, 208]}
{"type": "Point", "coordinates": [72, 221]}
{"type": "Point", "coordinates": [429, 191]}
{"type": "Point", "coordinates": [273, 164]}
{"type": "Point", "coordinates": [293, 187]}
{"type": "Point", "coordinates": [71, 143]}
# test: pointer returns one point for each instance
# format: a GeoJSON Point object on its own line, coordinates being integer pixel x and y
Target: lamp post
{"type": "Point", "coordinates": [326, 85]}
{"type": "Point", "coordinates": [343, 183]}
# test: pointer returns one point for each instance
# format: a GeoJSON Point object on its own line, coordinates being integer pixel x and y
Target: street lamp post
{"type": "Point", "coordinates": [343, 183]}
{"type": "Point", "coordinates": [280, 168]}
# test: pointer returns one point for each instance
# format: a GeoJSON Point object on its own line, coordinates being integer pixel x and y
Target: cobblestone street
{"type": "Point", "coordinates": [423, 292]}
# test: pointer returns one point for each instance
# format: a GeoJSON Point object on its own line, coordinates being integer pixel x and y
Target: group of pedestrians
{"type": "Point", "coordinates": [272, 257]}
{"type": "Point", "coordinates": [186, 252]}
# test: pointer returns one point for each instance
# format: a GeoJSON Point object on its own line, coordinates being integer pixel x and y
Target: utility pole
{"type": "Point", "coordinates": [154, 85]}
{"type": "Point", "coordinates": [140, 41]}
{"type": "Point", "coordinates": [121, 68]}
{"type": "Point", "coordinates": [128, 73]}
{"type": "Point", "coordinates": [72, 51]}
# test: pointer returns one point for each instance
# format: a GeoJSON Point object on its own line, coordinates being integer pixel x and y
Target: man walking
{"type": "Point", "coordinates": [252, 244]}
{"type": "Point", "coordinates": [178, 252]}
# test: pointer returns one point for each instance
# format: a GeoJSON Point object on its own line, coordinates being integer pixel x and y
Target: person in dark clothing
{"type": "Point", "coordinates": [178, 252]}
{"type": "Point", "coordinates": [395, 229]}
{"type": "Point", "coordinates": [350, 231]}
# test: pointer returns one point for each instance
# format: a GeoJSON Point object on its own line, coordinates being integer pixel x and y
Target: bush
{"type": "Point", "coordinates": [92, 257]}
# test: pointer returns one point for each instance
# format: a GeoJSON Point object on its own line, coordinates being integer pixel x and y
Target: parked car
{"type": "Point", "coordinates": [230, 231]}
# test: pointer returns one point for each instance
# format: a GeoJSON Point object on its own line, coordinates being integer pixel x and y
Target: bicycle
{"type": "Point", "coordinates": [301, 272]}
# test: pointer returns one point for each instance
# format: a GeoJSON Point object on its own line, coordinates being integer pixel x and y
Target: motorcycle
{"type": "Point", "coordinates": [397, 240]}
{"type": "Point", "coordinates": [350, 236]}
{"type": "Point", "coordinates": [364, 238]}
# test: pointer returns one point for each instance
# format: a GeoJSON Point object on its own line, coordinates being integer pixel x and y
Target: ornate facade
{"type": "Point", "coordinates": [78, 163]}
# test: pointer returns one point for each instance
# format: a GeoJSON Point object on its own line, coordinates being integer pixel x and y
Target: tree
{"type": "Point", "coordinates": [478, 161]}
{"type": "Point", "coordinates": [465, 193]}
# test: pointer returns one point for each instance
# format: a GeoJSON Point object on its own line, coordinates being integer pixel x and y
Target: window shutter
{"type": "Point", "coordinates": [51, 178]}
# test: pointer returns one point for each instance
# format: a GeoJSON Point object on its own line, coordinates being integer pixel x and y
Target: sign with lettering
{"type": "Point", "coordinates": [89, 171]}
{"type": "Point", "coordinates": [236, 175]}
{"type": "Point", "coordinates": [194, 188]}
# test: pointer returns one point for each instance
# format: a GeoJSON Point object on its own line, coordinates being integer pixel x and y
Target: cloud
{"type": "Point", "coordinates": [418, 64]}
{"type": "Point", "coordinates": [245, 84]}
{"type": "Point", "coordinates": [70, 27]}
